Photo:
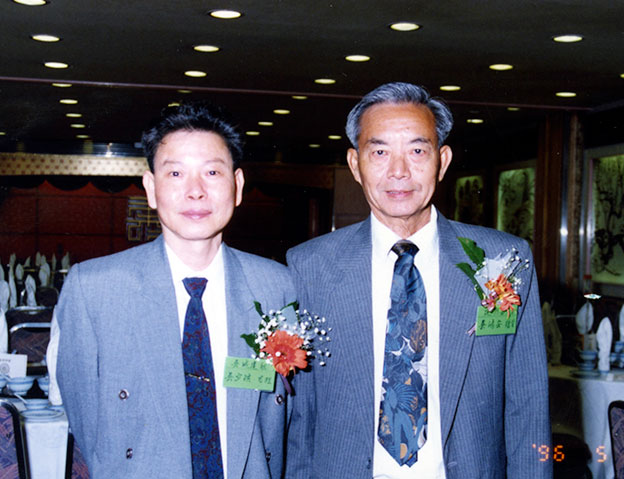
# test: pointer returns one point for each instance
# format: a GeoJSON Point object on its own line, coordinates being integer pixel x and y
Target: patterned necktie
{"type": "Point", "coordinates": [403, 412]}
{"type": "Point", "coordinates": [200, 386]}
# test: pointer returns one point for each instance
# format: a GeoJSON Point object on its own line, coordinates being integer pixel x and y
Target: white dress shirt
{"type": "Point", "coordinates": [430, 463]}
{"type": "Point", "coordinates": [214, 304]}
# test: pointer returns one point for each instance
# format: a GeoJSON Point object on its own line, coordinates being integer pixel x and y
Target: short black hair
{"type": "Point", "coordinates": [396, 93]}
{"type": "Point", "coordinates": [194, 116]}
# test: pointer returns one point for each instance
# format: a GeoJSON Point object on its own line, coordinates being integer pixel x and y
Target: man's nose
{"type": "Point", "coordinates": [398, 166]}
{"type": "Point", "coordinates": [195, 188]}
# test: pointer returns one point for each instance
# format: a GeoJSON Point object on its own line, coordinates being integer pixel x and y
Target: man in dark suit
{"type": "Point", "coordinates": [417, 387]}
{"type": "Point", "coordinates": [140, 377]}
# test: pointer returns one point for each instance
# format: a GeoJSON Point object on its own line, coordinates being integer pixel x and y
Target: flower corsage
{"type": "Point", "coordinates": [496, 282]}
{"type": "Point", "coordinates": [289, 339]}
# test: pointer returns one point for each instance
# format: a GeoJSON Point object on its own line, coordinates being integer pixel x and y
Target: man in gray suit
{"type": "Point", "coordinates": [425, 391]}
{"type": "Point", "coordinates": [127, 323]}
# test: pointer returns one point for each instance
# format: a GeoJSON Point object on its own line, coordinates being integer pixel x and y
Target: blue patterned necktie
{"type": "Point", "coordinates": [403, 411]}
{"type": "Point", "coordinates": [200, 387]}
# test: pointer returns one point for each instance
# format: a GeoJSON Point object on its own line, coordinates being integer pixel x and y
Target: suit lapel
{"type": "Point", "coordinates": [352, 336]}
{"type": "Point", "coordinates": [157, 333]}
{"type": "Point", "coordinates": [242, 404]}
{"type": "Point", "coordinates": [458, 310]}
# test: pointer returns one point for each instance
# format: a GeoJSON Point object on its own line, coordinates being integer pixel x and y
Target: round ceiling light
{"type": "Point", "coordinates": [225, 14]}
{"type": "Point", "coordinates": [281, 111]}
{"type": "Point", "coordinates": [195, 73]}
{"type": "Point", "coordinates": [325, 81]}
{"type": "Point", "coordinates": [565, 94]}
{"type": "Point", "coordinates": [62, 85]}
{"type": "Point", "coordinates": [206, 48]}
{"type": "Point", "coordinates": [56, 65]}
{"type": "Point", "coordinates": [68, 101]}
{"type": "Point", "coordinates": [31, 3]}
{"type": "Point", "coordinates": [357, 58]}
{"type": "Point", "coordinates": [404, 26]}
{"type": "Point", "coordinates": [567, 38]}
{"type": "Point", "coordinates": [450, 88]}
{"type": "Point", "coordinates": [501, 67]}
{"type": "Point", "coordinates": [42, 37]}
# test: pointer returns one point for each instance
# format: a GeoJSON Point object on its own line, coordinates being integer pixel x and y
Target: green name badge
{"type": "Point", "coordinates": [248, 373]}
{"type": "Point", "coordinates": [495, 322]}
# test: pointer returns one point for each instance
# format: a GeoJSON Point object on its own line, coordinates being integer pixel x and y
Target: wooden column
{"type": "Point", "coordinates": [548, 202]}
{"type": "Point", "coordinates": [574, 203]}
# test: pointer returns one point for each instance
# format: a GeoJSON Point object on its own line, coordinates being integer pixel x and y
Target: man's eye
{"type": "Point", "coordinates": [379, 152]}
{"type": "Point", "coordinates": [418, 151]}
{"type": "Point", "coordinates": [175, 173]}
{"type": "Point", "coordinates": [213, 172]}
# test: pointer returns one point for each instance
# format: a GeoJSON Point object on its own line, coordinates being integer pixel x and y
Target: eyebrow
{"type": "Point", "coordinates": [379, 141]}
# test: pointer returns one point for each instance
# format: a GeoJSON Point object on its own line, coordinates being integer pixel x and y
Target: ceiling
{"type": "Point", "coordinates": [127, 60]}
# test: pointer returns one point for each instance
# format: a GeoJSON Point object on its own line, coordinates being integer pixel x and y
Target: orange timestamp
{"type": "Point", "coordinates": [558, 455]}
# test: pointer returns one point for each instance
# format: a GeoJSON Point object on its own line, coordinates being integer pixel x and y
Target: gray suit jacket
{"type": "Point", "coordinates": [493, 389]}
{"type": "Point", "coordinates": [121, 374]}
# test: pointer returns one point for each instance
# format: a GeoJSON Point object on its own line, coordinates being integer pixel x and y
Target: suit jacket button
{"type": "Point", "coordinates": [369, 463]}
{"type": "Point", "coordinates": [279, 399]}
{"type": "Point", "coordinates": [129, 453]}
{"type": "Point", "coordinates": [268, 456]}
{"type": "Point", "coordinates": [123, 394]}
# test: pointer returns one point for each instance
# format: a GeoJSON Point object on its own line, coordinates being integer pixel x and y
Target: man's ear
{"type": "Point", "coordinates": [353, 161]}
{"type": "Point", "coordinates": [446, 156]}
{"type": "Point", "coordinates": [239, 182]}
{"type": "Point", "coordinates": [150, 190]}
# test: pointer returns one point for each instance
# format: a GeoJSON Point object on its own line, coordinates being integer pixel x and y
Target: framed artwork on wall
{"type": "Point", "coordinates": [515, 201]}
{"type": "Point", "coordinates": [469, 200]}
{"type": "Point", "coordinates": [606, 220]}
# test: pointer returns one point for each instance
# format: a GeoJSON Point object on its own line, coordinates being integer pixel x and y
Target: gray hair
{"type": "Point", "coordinates": [400, 93]}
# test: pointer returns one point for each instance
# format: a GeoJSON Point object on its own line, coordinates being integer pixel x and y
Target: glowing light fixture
{"type": "Point", "coordinates": [78, 125]}
{"type": "Point", "coordinates": [314, 145]}
{"type": "Point", "coordinates": [334, 137]}
{"type": "Point", "coordinates": [474, 121]}
{"type": "Point", "coordinates": [2, 133]}
{"type": "Point", "coordinates": [450, 88]}
{"type": "Point", "coordinates": [404, 26]}
{"type": "Point", "coordinates": [325, 81]}
{"type": "Point", "coordinates": [513, 108]}
{"type": "Point", "coordinates": [567, 38]}
{"type": "Point", "coordinates": [31, 3]}
{"type": "Point", "coordinates": [185, 91]}
{"type": "Point", "coordinates": [62, 85]}
{"type": "Point", "coordinates": [565, 94]}
{"type": "Point", "coordinates": [252, 133]}
{"type": "Point", "coordinates": [357, 58]}
{"type": "Point", "coordinates": [265, 123]}
{"type": "Point", "coordinates": [42, 37]}
{"type": "Point", "coordinates": [195, 73]}
{"type": "Point", "coordinates": [501, 67]}
{"type": "Point", "coordinates": [73, 115]}
{"type": "Point", "coordinates": [56, 65]}
{"type": "Point", "coordinates": [281, 111]}
{"type": "Point", "coordinates": [206, 48]}
{"type": "Point", "coordinates": [173, 103]}
{"type": "Point", "coordinates": [82, 137]}
{"type": "Point", "coordinates": [303, 97]}
{"type": "Point", "coordinates": [225, 14]}
{"type": "Point", "coordinates": [68, 101]}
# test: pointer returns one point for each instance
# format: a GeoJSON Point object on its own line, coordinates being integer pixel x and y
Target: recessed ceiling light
{"type": "Point", "coordinates": [82, 137]}
{"type": "Point", "coordinates": [42, 37]}
{"type": "Point", "coordinates": [206, 48]}
{"type": "Point", "coordinates": [68, 101]}
{"type": "Point", "coordinates": [501, 67]}
{"type": "Point", "coordinates": [57, 65]}
{"type": "Point", "coordinates": [357, 58]}
{"type": "Point", "coordinates": [62, 85]}
{"type": "Point", "coordinates": [299, 97]}
{"type": "Point", "coordinates": [513, 108]}
{"type": "Point", "coordinates": [185, 91]}
{"type": "Point", "coordinates": [281, 111]}
{"type": "Point", "coordinates": [566, 94]}
{"type": "Point", "coordinates": [325, 81]}
{"type": "Point", "coordinates": [474, 121]}
{"type": "Point", "coordinates": [195, 73]}
{"type": "Point", "coordinates": [404, 26]}
{"type": "Point", "coordinates": [334, 137]}
{"type": "Point", "coordinates": [2, 133]}
{"type": "Point", "coordinates": [225, 14]}
{"type": "Point", "coordinates": [77, 125]}
{"type": "Point", "coordinates": [173, 103]}
{"type": "Point", "coordinates": [621, 75]}
{"type": "Point", "coordinates": [265, 123]}
{"type": "Point", "coordinates": [567, 38]}
{"type": "Point", "coordinates": [252, 133]}
{"type": "Point", "coordinates": [31, 3]}
{"type": "Point", "coordinates": [450, 88]}
{"type": "Point", "coordinates": [73, 115]}
{"type": "Point", "coordinates": [314, 145]}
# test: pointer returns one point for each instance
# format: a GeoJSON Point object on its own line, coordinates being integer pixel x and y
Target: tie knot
{"type": "Point", "coordinates": [195, 286]}
{"type": "Point", "coordinates": [405, 247]}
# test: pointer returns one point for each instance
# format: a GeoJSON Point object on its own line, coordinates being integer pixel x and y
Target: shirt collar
{"type": "Point", "coordinates": [179, 270]}
{"type": "Point", "coordinates": [425, 238]}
